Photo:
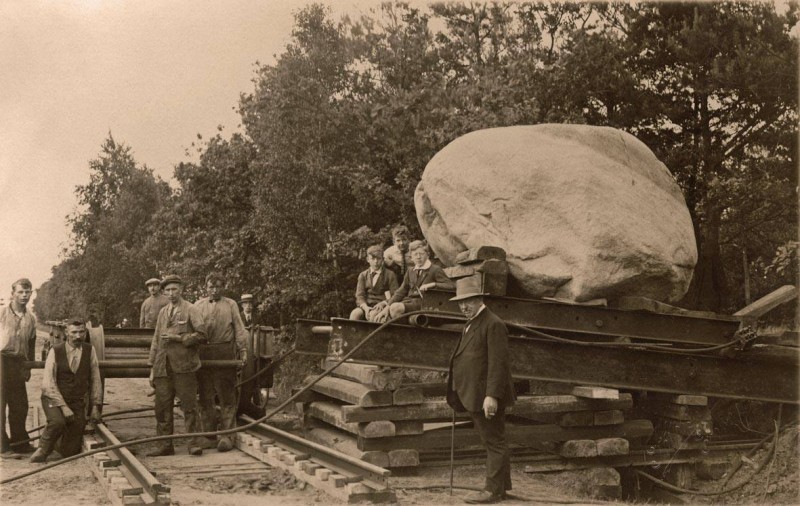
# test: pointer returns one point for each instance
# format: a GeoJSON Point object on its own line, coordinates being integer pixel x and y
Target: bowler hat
{"type": "Point", "coordinates": [172, 278]}
{"type": "Point", "coordinates": [246, 297]}
{"type": "Point", "coordinates": [468, 287]}
{"type": "Point", "coordinates": [152, 281]}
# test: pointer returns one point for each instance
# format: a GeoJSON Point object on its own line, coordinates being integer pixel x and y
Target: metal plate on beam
{"type": "Point", "coordinates": [551, 315]}
{"type": "Point", "coordinates": [742, 376]}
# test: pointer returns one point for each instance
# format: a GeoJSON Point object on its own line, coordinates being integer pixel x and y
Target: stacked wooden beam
{"type": "Point", "coordinates": [403, 425]}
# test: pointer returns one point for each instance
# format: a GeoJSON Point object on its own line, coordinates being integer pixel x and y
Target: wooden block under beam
{"type": "Point", "coordinates": [590, 392]}
{"type": "Point", "coordinates": [610, 417]}
{"type": "Point", "coordinates": [526, 406]}
{"type": "Point", "coordinates": [404, 396]}
{"type": "Point", "coordinates": [683, 399]}
{"type": "Point", "coordinates": [371, 376]}
{"type": "Point", "coordinates": [347, 444]}
{"type": "Point", "coordinates": [403, 458]}
{"type": "Point", "coordinates": [331, 413]}
{"type": "Point", "coordinates": [352, 392]}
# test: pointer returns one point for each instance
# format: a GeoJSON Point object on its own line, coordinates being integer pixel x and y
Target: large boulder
{"type": "Point", "coordinates": [583, 212]}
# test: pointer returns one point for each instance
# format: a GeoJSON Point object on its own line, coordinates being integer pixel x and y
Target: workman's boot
{"type": "Point", "coordinates": [195, 450]}
{"type": "Point", "coordinates": [162, 451]}
{"type": "Point", "coordinates": [224, 444]}
{"type": "Point", "coordinates": [39, 456]}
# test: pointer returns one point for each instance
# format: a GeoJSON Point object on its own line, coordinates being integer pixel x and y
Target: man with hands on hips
{"type": "Point", "coordinates": [479, 382]}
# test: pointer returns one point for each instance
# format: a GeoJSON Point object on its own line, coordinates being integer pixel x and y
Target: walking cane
{"type": "Point", "coordinates": [452, 446]}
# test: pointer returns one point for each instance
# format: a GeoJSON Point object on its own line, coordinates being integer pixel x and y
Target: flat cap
{"type": "Point", "coordinates": [152, 281]}
{"type": "Point", "coordinates": [246, 297]}
{"type": "Point", "coordinates": [172, 278]}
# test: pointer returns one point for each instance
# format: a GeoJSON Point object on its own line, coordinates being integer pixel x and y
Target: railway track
{"type": "Point", "coordinates": [127, 480]}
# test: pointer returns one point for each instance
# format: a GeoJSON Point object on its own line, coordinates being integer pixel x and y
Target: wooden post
{"type": "Point", "coordinates": [746, 278]}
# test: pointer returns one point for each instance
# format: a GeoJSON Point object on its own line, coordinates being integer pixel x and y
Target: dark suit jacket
{"type": "Point", "coordinates": [479, 365]}
{"type": "Point", "coordinates": [255, 319]}
{"type": "Point", "coordinates": [367, 293]}
{"type": "Point", "coordinates": [414, 279]}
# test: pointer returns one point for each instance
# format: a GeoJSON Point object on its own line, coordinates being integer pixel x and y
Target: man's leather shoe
{"type": "Point", "coordinates": [483, 497]}
{"type": "Point", "coordinates": [26, 448]}
{"type": "Point", "coordinates": [195, 450]}
{"type": "Point", "coordinates": [39, 456]}
{"type": "Point", "coordinates": [162, 452]}
{"type": "Point", "coordinates": [224, 444]}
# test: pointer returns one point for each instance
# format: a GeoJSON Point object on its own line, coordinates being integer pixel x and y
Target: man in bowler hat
{"type": "Point", "coordinates": [479, 382]}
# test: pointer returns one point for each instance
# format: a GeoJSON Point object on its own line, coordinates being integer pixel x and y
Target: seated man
{"type": "Point", "coordinates": [70, 372]}
{"type": "Point", "coordinates": [423, 276]}
{"type": "Point", "coordinates": [397, 258]}
{"type": "Point", "coordinates": [376, 284]}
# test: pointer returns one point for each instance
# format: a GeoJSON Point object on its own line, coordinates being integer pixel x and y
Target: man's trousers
{"type": "Point", "coordinates": [14, 397]}
{"type": "Point", "coordinates": [59, 434]}
{"type": "Point", "coordinates": [219, 382]}
{"type": "Point", "coordinates": [498, 463]}
{"type": "Point", "coordinates": [184, 386]}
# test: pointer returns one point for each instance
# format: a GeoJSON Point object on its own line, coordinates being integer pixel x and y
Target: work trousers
{"type": "Point", "coordinates": [59, 434]}
{"type": "Point", "coordinates": [498, 462]}
{"type": "Point", "coordinates": [184, 386]}
{"type": "Point", "coordinates": [14, 397]}
{"type": "Point", "coordinates": [219, 382]}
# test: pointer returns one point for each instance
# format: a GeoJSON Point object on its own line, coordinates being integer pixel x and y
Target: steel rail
{"type": "Point", "coordinates": [151, 486]}
{"type": "Point", "coordinates": [371, 475]}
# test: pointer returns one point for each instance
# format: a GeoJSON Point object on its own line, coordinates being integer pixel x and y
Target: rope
{"type": "Point", "coordinates": [225, 432]}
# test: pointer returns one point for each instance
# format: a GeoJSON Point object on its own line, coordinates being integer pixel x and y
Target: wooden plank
{"type": "Point", "coordinates": [767, 303]}
{"type": "Point", "coordinates": [578, 448]}
{"type": "Point", "coordinates": [576, 419]}
{"type": "Point", "coordinates": [405, 396]}
{"type": "Point", "coordinates": [590, 392]}
{"type": "Point", "coordinates": [515, 434]}
{"type": "Point", "coordinates": [347, 444]}
{"type": "Point", "coordinates": [439, 410]}
{"type": "Point", "coordinates": [372, 376]}
{"type": "Point", "coordinates": [610, 417]}
{"type": "Point", "coordinates": [612, 446]}
{"type": "Point", "coordinates": [403, 458]}
{"type": "Point", "coordinates": [332, 414]}
{"type": "Point", "coordinates": [352, 392]}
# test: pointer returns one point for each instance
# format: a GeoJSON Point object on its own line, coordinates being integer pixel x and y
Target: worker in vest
{"type": "Point", "coordinates": [71, 371]}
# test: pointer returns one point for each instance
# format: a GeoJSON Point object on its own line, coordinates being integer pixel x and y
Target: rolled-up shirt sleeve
{"type": "Point", "coordinates": [49, 387]}
{"type": "Point", "coordinates": [240, 333]}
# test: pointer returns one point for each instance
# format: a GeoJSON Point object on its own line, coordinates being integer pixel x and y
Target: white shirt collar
{"type": "Point", "coordinates": [425, 266]}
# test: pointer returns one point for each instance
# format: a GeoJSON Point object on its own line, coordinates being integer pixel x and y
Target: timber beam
{"type": "Point", "coordinates": [745, 375]}
{"type": "Point", "coordinates": [548, 315]}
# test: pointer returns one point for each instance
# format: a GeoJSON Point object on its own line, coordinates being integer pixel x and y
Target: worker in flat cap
{"type": "Point", "coordinates": [376, 284]}
{"type": "Point", "coordinates": [479, 382]}
{"type": "Point", "coordinates": [17, 342]}
{"type": "Point", "coordinates": [152, 305]}
{"type": "Point", "coordinates": [71, 371]}
{"type": "Point", "coordinates": [174, 361]}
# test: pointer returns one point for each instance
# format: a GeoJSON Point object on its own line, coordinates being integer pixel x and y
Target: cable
{"type": "Point", "coordinates": [225, 432]}
{"type": "Point", "coordinates": [625, 345]}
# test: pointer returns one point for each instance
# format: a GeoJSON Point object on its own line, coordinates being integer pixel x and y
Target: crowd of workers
{"type": "Point", "coordinates": [214, 328]}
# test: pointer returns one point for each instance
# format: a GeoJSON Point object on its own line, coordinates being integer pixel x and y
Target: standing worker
{"type": "Point", "coordinates": [174, 361]}
{"type": "Point", "coordinates": [18, 343]}
{"type": "Point", "coordinates": [227, 338]}
{"type": "Point", "coordinates": [152, 305]}
{"type": "Point", "coordinates": [479, 382]}
{"type": "Point", "coordinates": [70, 372]}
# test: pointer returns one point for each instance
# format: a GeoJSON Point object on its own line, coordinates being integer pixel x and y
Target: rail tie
{"type": "Point", "coordinates": [125, 479]}
{"type": "Point", "coordinates": [339, 475]}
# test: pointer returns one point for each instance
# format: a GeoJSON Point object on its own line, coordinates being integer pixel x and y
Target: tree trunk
{"type": "Point", "coordinates": [708, 284]}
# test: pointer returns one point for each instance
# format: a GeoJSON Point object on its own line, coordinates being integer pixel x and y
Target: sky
{"type": "Point", "coordinates": [152, 73]}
